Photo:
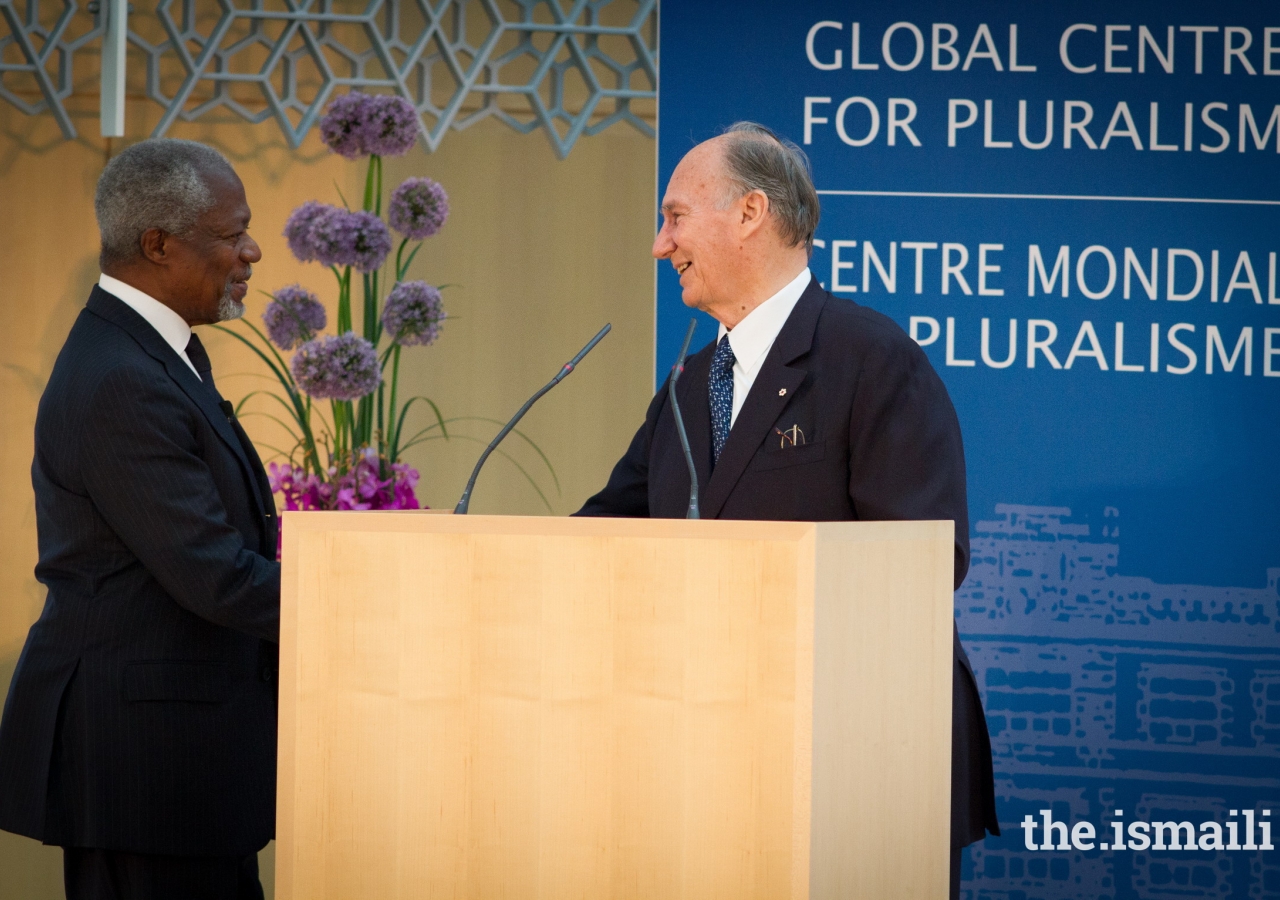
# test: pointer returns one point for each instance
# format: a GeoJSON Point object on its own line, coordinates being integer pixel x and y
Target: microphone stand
{"type": "Point", "coordinates": [464, 502]}
{"type": "Point", "coordinates": [694, 512]}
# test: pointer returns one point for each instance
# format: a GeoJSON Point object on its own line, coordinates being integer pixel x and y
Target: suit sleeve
{"type": "Point", "coordinates": [627, 492]}
{"type": "Point", "coordinates": [907, 457]}
{"type": "Point", "coordinates": [143, 470]}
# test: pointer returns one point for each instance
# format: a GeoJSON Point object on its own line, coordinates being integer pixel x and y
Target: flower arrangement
{"type": "Point", "coordinates": [352, 460]}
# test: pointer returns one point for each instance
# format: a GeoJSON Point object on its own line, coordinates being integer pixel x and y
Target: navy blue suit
{"type": "Point", "coordinates": [880, 441]}
{"type": "Point", "coordinates": [142, 714]}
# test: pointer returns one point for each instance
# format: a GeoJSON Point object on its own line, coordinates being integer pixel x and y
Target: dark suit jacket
{"type": "Point", "coordinates": [881, 441]}
{"type": "Point", "coordinates": [142, 714]}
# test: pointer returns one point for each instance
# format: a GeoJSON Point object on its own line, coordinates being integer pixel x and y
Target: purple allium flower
{"type": "Point", "coordinates": [413, 314]}
{"type": "Point", "coordinates": [396, 127]}
{"type": "Point", "coordinates": [418, 208]}
{"type": "Point", "coordinates": [293, 317]}
{"type": "Point", "coordinates": [342, 125]}
{"type": "Point", "coordinates": [297, 230]}
{"type": "Point", "coordinates": [344, 367]}
{"type": "Point", "coordinates": [340, 237]}
{"type": "Point", "coordinates": [358, 124]}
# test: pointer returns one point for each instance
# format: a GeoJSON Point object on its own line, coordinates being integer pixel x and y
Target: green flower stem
{"type": "Point", "coordinates": [404, 269]}
{"type": "Point", "coordinates": [347, 421]}
{"type": "Point", "coordinates": [360, 428]}
{"type": "Point", "coordinates": [337, 427]}
{"type": "Point", "coordinates": [311, 442]}
{"type": "Point", "coordinates": [400, 252]}
{"type": "Point", "coordinates": [371, 307]}
{"type": "Point", "coordinates": [344, 301]}
{"type": "Point", "coordinates": [379, 432]}
{"type": "Point", "coordinates": [393, 448]}
{"type": "Point", "coordinates": [369, 183]}
{"type": "Point", "coordinates": [348, 429]}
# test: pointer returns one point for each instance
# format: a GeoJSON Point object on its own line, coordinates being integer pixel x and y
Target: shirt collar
{"type": "Point", "coordinates": [754, 335]}
{"type": "Point", "coordinates": [170, 326]}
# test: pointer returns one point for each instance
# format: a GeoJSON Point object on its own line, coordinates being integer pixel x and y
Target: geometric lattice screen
{"type": "Point", "coordinates": [565, 67]}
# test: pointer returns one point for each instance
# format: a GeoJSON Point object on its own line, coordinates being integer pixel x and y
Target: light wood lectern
{"type": "Point", "coordinates": [501, 707]}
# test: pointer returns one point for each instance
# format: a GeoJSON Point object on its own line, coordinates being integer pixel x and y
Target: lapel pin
{"type": "Point", "coordinates": [782, 392]}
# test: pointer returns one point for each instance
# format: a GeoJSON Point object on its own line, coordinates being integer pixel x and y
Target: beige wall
{"type": "Point", "coordinates": [541, 252]}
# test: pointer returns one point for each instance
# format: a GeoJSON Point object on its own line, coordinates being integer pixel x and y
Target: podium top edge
{"type": "Point", "coordinates": [416, 522]}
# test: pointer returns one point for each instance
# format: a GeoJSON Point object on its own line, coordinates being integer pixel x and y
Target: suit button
{"type": "Point", "coordinates": [267, 673]}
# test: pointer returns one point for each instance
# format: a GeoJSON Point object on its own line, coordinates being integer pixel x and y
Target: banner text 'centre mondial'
{"type": "Point", "coordinates": [1075, 210]}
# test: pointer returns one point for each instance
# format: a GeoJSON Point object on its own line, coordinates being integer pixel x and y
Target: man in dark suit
{"type": "Point", "coordinates": [807, 407]}
{"type": "Point", "coordinates": [139, 733]}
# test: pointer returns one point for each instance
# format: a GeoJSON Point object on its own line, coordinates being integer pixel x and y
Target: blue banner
{"type": "Point", "coordinates": [1075, 210]}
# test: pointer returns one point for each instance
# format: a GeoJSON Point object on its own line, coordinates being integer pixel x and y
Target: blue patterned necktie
{"type": "Point", "coordinates": [721, 392]}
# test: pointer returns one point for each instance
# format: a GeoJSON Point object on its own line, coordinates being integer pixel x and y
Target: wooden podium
{"type": "Point", "coordinates": [502, 707]}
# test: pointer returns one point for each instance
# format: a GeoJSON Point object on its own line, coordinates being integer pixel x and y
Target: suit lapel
{"type": "Point", "coordinates": [773, 389]}
{"type": "Point", "coordinates": [695, 408]}
{"type": "Point", "coordinates": [119, 313]}
{"type": "Point", "coordinates": [259, 474]}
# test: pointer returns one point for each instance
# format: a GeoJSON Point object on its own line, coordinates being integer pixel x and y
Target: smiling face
{"type": "Point", "coordinates": [208, 269]}
{"type": "Point", "coordinates": [701, 234]}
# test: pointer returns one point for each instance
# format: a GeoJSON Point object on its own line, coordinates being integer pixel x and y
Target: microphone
{"type": "Point", "coordinates": [694, 512]}
{"type": "Point", "coordinates": [465, 500]}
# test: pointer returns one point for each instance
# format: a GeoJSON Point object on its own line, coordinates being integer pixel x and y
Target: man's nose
{"type": "Point", "coordinates": [663, 246]}
{"type": "Point", "coordinates": [250, 252]}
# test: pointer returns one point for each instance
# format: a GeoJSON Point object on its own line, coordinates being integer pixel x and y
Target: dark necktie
{"type": "Point", "coordinates": [720, 390]}
{"type": "Point", "coordinates": [200, 359]}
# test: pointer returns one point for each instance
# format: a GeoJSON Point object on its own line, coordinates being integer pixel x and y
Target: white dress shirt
{"type": "Point", "coordinates": [753, 336]}
{"type": "Point", "coordinates": [170, 326]}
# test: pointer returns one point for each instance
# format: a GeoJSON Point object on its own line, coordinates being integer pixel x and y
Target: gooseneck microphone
{"type": "Point", "coordinates": [464, 502]}
{"type": "Point", "coordinates": [694, 512]}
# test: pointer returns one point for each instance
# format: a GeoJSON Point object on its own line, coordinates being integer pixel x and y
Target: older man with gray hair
{"type": "Point", "coordinates": [806, 406]}
{"type": "Point", "coordinates": [139, 733]}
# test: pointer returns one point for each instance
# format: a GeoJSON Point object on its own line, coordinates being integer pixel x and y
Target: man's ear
{"type": "Point", "coordinates": [754, 207]}
{"type": "Point", "coordinates": [154, 244]}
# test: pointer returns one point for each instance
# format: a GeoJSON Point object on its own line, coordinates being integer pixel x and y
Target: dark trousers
{"type": "Point", "coordinates": [957, 856]}
{"type": "Point", "coordinates": [110, 875]}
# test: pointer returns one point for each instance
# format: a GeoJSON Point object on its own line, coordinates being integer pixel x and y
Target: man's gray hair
{"type": "Point", "coordinates": [159, 183]}
{"type": "Point", "coordinates": [756, 159]}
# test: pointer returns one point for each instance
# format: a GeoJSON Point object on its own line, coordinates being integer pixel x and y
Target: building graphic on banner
{"type": "Point", "coordinates": [1110, 692]}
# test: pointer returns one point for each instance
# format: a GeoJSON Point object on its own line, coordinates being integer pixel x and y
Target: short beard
{"type": "Point", "coordinates": [229, 307]}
